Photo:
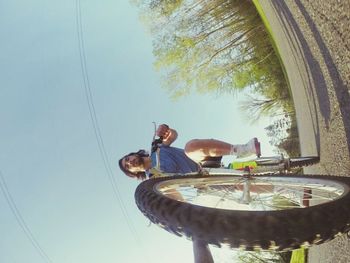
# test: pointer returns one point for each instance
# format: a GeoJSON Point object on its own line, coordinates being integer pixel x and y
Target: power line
{"type": "Point", "coordinates": [21, 221]}
{"type": "Point", "coordinates": [93, 116]}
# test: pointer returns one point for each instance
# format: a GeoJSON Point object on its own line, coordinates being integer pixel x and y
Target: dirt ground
{"type": "Point", "coordinates": [314, 41]}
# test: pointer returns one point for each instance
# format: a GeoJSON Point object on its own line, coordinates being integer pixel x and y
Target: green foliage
{"type": "Point", "coordinates": [263, 257]}
{"type": "Point", "coordinates": [210, 45]}
{"type": "Point", "coordinates": [280, 202]}
{"type": "Point", "coordinates": [219, 46]}
{"type": "Point", "coordinates": [164, 7]}
{"type": "Point", "coordinates": [283, 134]}
{"type": "Point", "coordinates": [290, 143]}
{"type": "Point", "coordinates": [255, 107]}
{"type": "Point", "coordinates": [299, 256]}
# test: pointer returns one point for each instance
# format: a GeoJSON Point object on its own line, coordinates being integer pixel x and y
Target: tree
{"type": "Point", "coordinates": [264, 257]}
{"type": "Point", "coordinates": [209, 45]}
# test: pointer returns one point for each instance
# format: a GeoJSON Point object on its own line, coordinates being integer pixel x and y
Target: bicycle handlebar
{"type": "Point", "coordinates": [156, 141]}
{"type": "Point", "coordinates": [155, 144]}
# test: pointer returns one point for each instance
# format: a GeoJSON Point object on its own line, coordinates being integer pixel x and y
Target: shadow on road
{"type": "Point", "coordinates": [341, 90]}
{"type": "Point", "coordinates": [315, 73]}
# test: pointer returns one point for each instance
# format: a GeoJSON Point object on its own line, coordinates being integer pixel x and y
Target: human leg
{"type": "Point", "coordinates": [251, 147]}
{"type": "Point", "coordinates": [198, 149]}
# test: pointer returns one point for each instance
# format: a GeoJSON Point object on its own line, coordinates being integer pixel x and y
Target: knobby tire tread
{"type": "Point", "coordinates": [278, 230]}
{"type": "Point", "coordinates": [304, 161]}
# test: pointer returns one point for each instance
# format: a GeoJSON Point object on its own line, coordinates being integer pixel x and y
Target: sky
{"type": "Point", "coordinates": [57, 202]}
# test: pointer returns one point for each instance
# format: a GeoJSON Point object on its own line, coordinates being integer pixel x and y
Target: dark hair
{"type": "Point", "coordinates": [138, 175]}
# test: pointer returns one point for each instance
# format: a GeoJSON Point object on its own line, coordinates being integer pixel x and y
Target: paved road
{"type": "Point", "coordinates": [314, 41]}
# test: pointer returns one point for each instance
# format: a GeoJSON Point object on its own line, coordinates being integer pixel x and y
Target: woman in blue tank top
{"type": "Point", "coordinates": [169, 159]}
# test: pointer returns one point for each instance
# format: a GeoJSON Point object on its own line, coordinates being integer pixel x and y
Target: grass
{"type": "Point", "coordinates": [273, 40]}
{"type": "Point", "coordinates": [298, 256]}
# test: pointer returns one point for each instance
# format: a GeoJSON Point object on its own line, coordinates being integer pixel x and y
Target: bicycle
{"type": "Point", "coordinates": [262, 205]}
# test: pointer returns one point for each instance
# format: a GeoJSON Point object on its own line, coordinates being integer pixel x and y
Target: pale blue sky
{"type": "Point", "coordinates": [49, 155]}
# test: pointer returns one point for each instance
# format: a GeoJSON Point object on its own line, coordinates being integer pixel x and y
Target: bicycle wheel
{"type": "Point", "coordinates": [303, 161]}
{"type": "Point", "coordinates": [283, 213]}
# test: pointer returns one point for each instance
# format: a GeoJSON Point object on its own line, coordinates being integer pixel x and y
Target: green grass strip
{"type": "Point", "coordinates": [298, 256]}
{"type": "Point", "coordinates": [273, 41]}
{"type": "Point", "coordinates": [263, 16]}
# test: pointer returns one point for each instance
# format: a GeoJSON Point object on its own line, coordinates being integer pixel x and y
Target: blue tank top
{"type": "Point", "coordinates": [173, 160]}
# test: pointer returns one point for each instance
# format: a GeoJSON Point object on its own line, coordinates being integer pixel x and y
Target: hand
{"type": "Point", "coordinates": [163, 131]}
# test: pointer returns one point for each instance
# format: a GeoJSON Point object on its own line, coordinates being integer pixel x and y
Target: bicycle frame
{"type": "Point", "coordinates": [264, 165]}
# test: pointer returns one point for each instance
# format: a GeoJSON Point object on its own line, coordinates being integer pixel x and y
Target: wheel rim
{"type": "Point", "coordinates": [252, 194]}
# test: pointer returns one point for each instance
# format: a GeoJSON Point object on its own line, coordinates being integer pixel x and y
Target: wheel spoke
{"type": "Point", "coordinates": [259, 193]}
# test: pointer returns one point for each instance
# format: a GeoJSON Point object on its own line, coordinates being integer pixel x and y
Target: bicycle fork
{"type": "Point", "coordinates": [246, 198]}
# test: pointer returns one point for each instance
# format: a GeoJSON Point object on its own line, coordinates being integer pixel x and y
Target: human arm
{"type": "Point", "coordinates": [169, 135]}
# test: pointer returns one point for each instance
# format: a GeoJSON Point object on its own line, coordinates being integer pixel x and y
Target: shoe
{"type": "Point", "coordinates": [250, 148]}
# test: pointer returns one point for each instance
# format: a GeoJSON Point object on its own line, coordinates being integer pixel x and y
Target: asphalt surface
{"type": "Point", "coordinates": [313, 37]}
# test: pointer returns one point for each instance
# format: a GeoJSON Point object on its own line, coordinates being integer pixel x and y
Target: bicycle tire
{"type": "Point", "coordinates": [281, 230]}
{"type": "Point", "coordinates": [303, 161]}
